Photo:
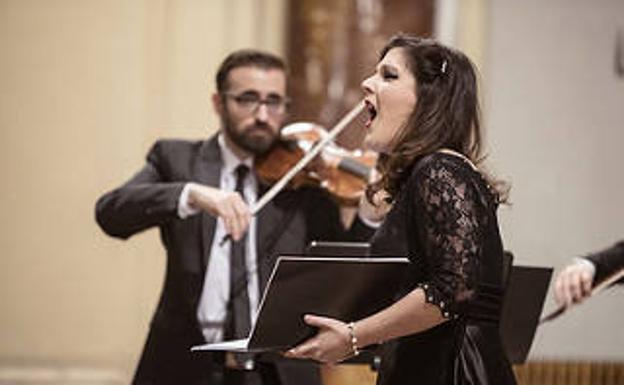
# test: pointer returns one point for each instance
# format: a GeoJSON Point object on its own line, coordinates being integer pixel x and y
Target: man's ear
{"type": "Point", "coordinates": [217, 104]}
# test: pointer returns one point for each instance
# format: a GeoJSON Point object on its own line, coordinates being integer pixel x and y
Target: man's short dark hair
{"type": "Point", "coordinates": [246, 58]}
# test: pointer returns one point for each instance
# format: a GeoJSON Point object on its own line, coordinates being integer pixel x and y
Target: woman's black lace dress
{"type": "Point", "coordinates": [444, 221]}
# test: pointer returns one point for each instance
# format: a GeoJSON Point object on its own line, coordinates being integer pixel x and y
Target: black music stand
{"type": "Point", "coordinates": [522, 307]}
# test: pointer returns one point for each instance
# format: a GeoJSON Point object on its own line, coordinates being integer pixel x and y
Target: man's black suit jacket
{"type": "Point", "coordinates": [150, 198]}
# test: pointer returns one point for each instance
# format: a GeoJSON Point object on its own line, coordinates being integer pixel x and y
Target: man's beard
{"type": "Point", "coordinates": [245, 139]}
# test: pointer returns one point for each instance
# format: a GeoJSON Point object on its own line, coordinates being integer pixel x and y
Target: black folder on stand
{"type": "Point", "coordinates": [341, 288]}
{"type": "Point", "coordinates": [351, 288]}
{"type": "Point", "coordinates": [526, 291]}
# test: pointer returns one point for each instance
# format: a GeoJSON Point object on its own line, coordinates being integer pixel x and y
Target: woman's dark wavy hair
{"type": "Point", "coordinates": [446, 114]}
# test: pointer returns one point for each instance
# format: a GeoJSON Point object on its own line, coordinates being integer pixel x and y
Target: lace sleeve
{"type": "Point", "coordinates": [450, 219]}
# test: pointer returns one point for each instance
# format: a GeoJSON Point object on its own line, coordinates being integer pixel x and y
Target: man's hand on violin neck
{"type": "Point", "coordinates": [374, 212]}
{"type": "Point", "coordinates": [227, 205]}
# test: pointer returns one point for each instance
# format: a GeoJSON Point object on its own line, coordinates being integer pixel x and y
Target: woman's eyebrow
{"type": "Point", "coordinates": [388, 67]}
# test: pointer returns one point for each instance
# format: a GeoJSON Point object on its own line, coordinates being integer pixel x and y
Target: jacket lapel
{"type": "Point", "coordinates": [267, 218]}
{"type": "Point", "coordinates": [271, 223]}
{"type": "Point", "coordinates": [208, 172]}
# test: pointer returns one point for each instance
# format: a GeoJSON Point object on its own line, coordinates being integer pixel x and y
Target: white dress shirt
{"type": "Point", "coordinates": [211, 311]}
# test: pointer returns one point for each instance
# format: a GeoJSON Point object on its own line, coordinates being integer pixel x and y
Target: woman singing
{"type": "Point", "coordinates": [424, 119]}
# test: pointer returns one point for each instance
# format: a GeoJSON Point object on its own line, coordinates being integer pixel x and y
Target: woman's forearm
{"type": "Point", "coordinates": [411, 314]}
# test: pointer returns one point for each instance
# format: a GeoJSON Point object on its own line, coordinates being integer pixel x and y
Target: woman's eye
{"type": "Point", "coordinates": [390, 76]}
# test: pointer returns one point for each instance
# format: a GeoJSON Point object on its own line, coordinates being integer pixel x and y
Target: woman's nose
{"type": "Point", "coordinates": [367, 85]}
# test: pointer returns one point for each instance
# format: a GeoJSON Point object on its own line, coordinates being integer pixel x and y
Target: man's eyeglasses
{"type": "Point", "coordinates": [251, 101]}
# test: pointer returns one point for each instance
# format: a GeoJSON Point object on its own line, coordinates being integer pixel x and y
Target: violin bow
{"type": "Point", "coordinates": [280, 184]}
{"type": "Point", "coordinates": [610, 280]}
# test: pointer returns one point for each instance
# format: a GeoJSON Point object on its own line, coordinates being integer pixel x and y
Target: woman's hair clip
{"type": "Point", "coordinates": [443, 67]}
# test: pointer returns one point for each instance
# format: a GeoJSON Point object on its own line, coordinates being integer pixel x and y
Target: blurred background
{"type": "Point", "coordinates": [86, 86]}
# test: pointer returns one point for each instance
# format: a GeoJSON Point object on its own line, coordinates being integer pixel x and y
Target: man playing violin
{"type": "Point", "coordinates": [219, 256]}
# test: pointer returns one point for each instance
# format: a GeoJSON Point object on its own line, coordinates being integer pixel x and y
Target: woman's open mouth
{"type": "Point", "coordinates": [372, 113]}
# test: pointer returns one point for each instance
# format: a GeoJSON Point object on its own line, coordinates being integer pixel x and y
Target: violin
{"type": "Point", "coordinates": [341, 172]}
{"type": "Point", "coordinates": [307, 158]}
{"type": "Point", "coordinates": [310, 155]}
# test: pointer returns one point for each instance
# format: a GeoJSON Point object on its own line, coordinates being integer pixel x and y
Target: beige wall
{"type": "Point", "coordinates": [554, 115]}
{"type": "Point", "coordinates": [85, 88]}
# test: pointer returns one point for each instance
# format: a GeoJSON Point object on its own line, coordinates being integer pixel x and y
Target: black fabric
{"type": "Point", "coordinates": [238, 321]}
{"type": "Point", "coordinates": [607, 262]}
{"type": "Point", "coordinates": [149, 199]}
{"type": "Point", "coordinates": [444, 221]}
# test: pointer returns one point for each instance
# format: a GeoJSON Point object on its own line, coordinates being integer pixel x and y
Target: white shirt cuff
{"type": "Point", "coordinates": [586, 263]}
{"type": "Point", "coordinates": [184, 209]}
{"type": "Point", "coordinates": [368, 222]}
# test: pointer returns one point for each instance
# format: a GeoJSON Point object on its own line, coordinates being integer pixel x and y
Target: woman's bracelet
{"type": "Point", "coordinates": [354, 342]}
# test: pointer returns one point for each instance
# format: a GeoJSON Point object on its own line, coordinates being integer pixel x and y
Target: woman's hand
{"type": "Point", "coordinates": [331, 344]}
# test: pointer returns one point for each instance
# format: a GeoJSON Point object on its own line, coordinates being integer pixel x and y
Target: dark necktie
{"type": "Point", "coordinates": [238, 323]}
